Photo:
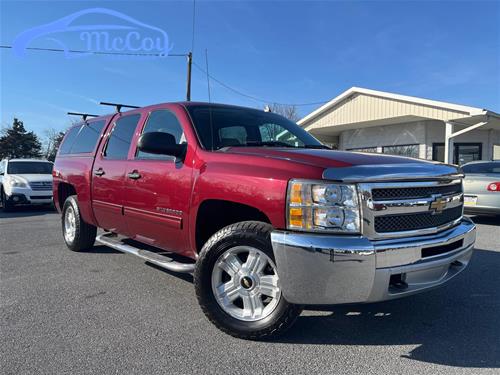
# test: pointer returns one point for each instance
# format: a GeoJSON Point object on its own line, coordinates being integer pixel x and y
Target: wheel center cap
{"type": "Point", "coordinates": [246, 282]}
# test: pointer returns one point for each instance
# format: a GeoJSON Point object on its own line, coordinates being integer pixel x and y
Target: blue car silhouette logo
{"type": "Point", "coordinates": [127, 36]}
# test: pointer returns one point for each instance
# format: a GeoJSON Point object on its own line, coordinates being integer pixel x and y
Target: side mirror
{"type": "Point", "coordinates": [161, 143]}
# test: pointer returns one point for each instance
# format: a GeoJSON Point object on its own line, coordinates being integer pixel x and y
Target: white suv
{"type": "Point", "coordinates": [25, 181]}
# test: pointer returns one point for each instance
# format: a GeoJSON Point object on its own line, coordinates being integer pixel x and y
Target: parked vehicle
{"type": "Point", "coordinates": [25, 181]}
{"type": "Point", "coordinates": [482, 187]}
{"type": "Point", "coordinates": [267, 218]}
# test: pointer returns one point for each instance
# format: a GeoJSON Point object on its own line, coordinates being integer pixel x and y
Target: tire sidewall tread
{"type": "Point", "coordinates": [251, 233]}
{"type": "Point", "coordinates": [85, 234]}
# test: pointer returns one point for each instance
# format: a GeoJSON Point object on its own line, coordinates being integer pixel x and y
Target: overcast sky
{"type": "Point", "coordinates": [283, 51]}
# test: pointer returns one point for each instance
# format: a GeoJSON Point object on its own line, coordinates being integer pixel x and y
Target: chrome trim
{"type": "Point", "coordinates": [109, 239]}
{"type": "Point", "coordinates": [408, 206]}
{"type": "Point", "coordinates": [371, 209]}
{"type": "Point", "coordinates": [321, 269]}
{"type": "Point", "coordinates": [396, 252]}
{"type": "Point", "coordinates": [417, 170]}
{"type": "Point", "coordinates": [328, 269]}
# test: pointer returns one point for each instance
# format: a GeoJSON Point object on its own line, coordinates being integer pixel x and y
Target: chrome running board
{"type": "Point", "coordinates": [113, 241]}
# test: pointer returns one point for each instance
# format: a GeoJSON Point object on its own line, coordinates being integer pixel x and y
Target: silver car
{"type": "Point", "coordinates": [482, 187]}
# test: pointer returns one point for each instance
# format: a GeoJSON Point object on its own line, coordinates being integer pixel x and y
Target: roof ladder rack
{"type": "Point", "coordinates": [84, 115]}
{"type": "Point", "coordinates": [119, 106]}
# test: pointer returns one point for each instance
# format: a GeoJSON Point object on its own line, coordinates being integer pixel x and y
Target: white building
{"type": "Point", "coordinates": [376, 121]}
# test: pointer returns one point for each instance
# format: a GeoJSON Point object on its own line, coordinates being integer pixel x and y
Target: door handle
{"type": "Point", "coordinates": [99, 172]}
{"type": "Point", "coordinates": [134, 175]}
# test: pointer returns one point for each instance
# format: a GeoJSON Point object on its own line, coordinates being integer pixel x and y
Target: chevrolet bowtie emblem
{"type": "Point", "coordinates": [438, 205]}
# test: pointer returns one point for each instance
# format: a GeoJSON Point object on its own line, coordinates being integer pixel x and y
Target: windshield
{"type": "Point", "coordinates": [245, 127]}
{"type": "Point", "coordinates": [491, 167]}
{"type": "Point", "coordinates": [29, 167]}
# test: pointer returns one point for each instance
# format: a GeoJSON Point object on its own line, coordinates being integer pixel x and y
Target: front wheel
{"type": "Point", "coordinates": [237, 283]}
{"type": "Point", "coordinates": [7, 206]}
{"type": "Point", "coordinates": [78, 235]}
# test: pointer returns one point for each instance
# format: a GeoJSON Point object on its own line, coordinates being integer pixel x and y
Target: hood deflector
{"type": "Point", "coordinates": [417, 171]}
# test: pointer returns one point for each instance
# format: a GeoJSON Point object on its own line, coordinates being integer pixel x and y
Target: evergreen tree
{"type": "Point", "coordinates": [16, 142]}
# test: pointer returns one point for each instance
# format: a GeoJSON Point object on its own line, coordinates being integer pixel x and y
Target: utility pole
{"type": "Point", "coordinates": [188, 88]}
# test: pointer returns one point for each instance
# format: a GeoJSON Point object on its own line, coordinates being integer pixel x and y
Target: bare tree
{"type": "Point", "coordinates": [288, 111]}
{"type": "Point", "coordinates": [52, 140]}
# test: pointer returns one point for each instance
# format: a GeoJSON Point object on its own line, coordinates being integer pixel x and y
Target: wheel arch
{"type": "Point", "coordinates": [215, 214]}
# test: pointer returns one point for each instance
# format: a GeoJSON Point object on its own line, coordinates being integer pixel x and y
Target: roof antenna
{"type": "Point", "coordinates": [119, 106]}
{"type": "Point", "coordinates": [84, 115]}
{"type": "Point", "coordinates": [209, 102]}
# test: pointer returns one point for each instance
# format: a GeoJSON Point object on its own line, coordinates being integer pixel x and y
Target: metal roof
{"type": "Point", "coordinates": [460, 110]}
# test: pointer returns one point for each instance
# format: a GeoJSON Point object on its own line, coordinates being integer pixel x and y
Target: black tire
{"type": "Point", "coordinates": [248, 233]}
{"type": "Point", "coordinates": [6, 205]}
{"type": "Point", "coordinates": [84, 234]}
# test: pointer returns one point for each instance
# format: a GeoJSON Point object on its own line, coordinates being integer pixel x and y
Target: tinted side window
{"type": "Point", "coordinates": [69, 140]}
{"type": "Point", "coordinates": [232, 135]}
{"type": "Point", "coordinates": [121, 137]}
{"type": "Point", "coordinates": [162, 121]}
{"type": "Point", "coordinates": [87, 138]}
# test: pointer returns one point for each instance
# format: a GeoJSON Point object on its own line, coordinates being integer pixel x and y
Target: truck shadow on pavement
{"type": "Point", "coordinates": [456, 325]}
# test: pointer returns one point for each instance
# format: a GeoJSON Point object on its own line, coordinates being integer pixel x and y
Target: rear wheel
{"type": "Point", "coordinates": [237, 283]}
{"type": "Point", "coordinates": [78, 235]}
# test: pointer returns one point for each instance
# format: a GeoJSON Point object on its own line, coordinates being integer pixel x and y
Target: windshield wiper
{"type": "Point", "coordinates": [264, 144]}
{"type": "Point", "coordinates": [277, 144]}
{"type": "Point", "coordinates": [319, 147]}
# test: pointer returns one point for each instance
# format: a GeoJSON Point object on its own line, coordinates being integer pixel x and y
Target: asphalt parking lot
{"type": "Point", "coordinates": [105, 312]}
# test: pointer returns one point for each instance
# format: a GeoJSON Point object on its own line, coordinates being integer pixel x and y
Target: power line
{"type": "Point", "coordinates": [100, 52]}
{"type": "Point", "coordinates": [194, 18]}
{"type": "Point", "coordinates": [266, 101]}
{"type": "Point", "coordinates": [251, 96]}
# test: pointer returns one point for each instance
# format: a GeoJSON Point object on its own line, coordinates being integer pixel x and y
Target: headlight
{"type": "Point", "coordinates": [319, 206]}
{"type": "Point", "coordinates": [17, 182]}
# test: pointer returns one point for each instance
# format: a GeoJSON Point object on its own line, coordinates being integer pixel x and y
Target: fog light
{"type": "Point", "coordinates": [15, 199]}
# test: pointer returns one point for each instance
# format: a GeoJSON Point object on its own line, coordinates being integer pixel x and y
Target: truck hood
{"type": "Point", "coordinates": [33, 177]}
{"type": "Point", "coordinates": [356, 166]}
{"type": "Point", "coordinates": [321, 158]}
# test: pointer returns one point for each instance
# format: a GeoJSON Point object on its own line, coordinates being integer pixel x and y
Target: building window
{"type": "Point", "coordinates": [363, 149]}
{"type": "Point", "coordinates": [462, 152]}
{"type": "Point", "coordinates": [402, 150]}
{"type": "Point", "coordinates": [496, 152]}
{"type": "Point", "coordinates": [438, 152]}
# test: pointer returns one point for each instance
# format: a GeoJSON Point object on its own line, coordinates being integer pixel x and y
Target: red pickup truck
{"type": "Point", "coordinates": [267, 218]}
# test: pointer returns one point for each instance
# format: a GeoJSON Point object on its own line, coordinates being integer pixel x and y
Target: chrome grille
{"type": "Point", "coordinates": [397, 223]}
{"type": "Point", "coordinates": [398, 209]}
{"type": "Point", "coordinates": [415, 192]}
{"type": "Point", "coordinates": [41, 185]}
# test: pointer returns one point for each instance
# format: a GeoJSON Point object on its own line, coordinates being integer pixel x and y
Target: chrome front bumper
{"type": "Point", "coordinates": [318, 269]}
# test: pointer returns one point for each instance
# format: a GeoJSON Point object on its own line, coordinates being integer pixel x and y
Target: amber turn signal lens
{"type": "Point", "coordinates": [296, 194]}
{"type": "Point", "coordinates": [295, 217]}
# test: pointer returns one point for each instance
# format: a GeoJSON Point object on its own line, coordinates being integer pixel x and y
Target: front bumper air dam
{"type": "Point", "coordinates": [320, 269]}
